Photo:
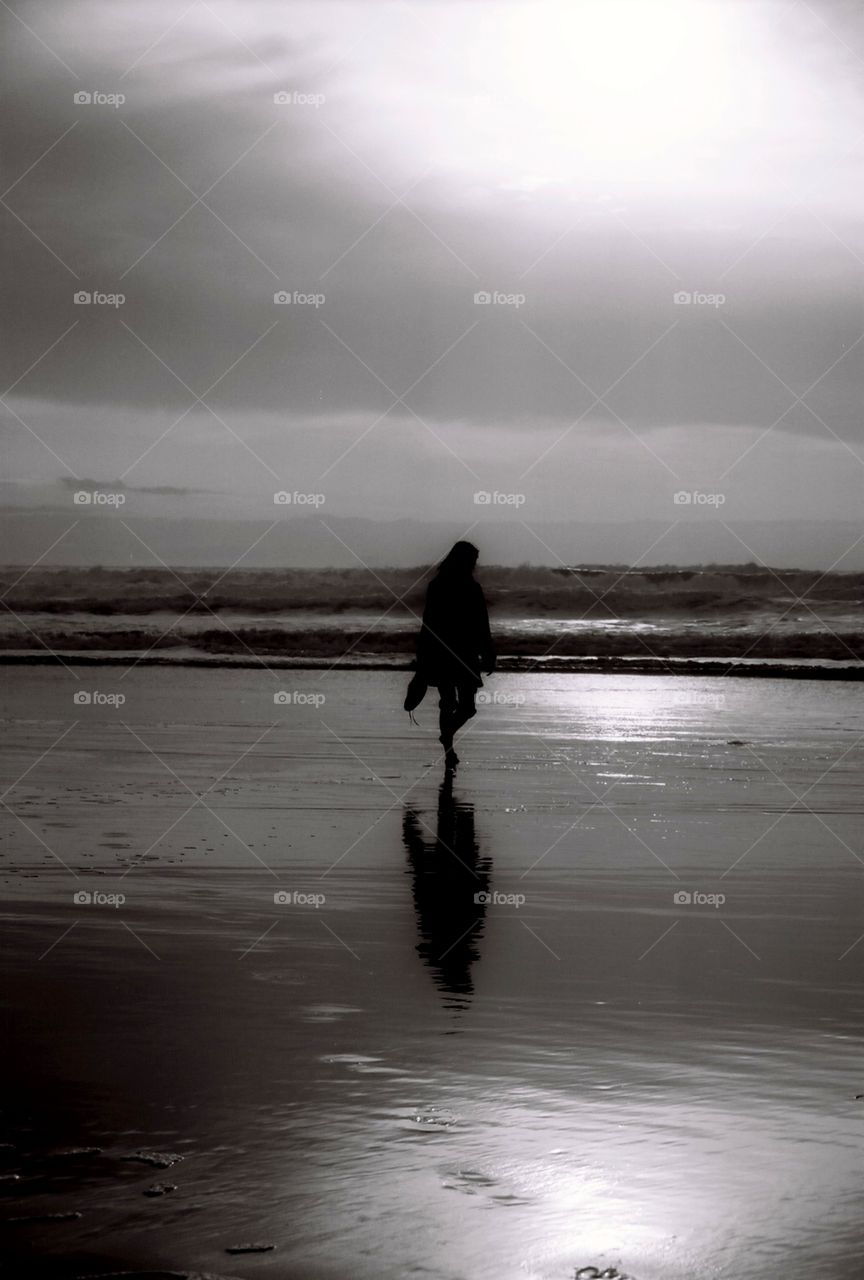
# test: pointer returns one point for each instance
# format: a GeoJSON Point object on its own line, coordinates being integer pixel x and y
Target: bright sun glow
{"type": "Point", "coordinates": [605, 86]}
{"type": "Point", "coordinates": [557, 101]}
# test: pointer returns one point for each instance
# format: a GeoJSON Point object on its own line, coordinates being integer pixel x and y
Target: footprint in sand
{"type": "Point", "coordinates": [468, 1181]}
{"type": "Point", "coordinates": [430, 1121]}
{"type": "Point", "coordinates": [473, 1181]}
{"type": "Point", "coordinates": [155, 1159]}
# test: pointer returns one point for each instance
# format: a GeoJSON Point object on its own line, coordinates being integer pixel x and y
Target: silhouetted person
{"type": "Point", "coordinates": [447, 874]}
{"type": "Point", "coordinates": [455, 642]}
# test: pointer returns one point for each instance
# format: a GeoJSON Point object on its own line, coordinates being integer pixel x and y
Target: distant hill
{"type": "Point", "coordinates": [324, 540]}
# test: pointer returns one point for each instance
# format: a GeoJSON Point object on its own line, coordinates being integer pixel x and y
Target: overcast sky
{"type": "Point", "coordinates": [586, 160]}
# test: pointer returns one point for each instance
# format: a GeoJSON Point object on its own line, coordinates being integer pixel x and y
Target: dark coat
{"type": "Point", "coordinates": [455, 641]}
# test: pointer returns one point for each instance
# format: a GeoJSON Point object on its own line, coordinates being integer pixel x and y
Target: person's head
{"type": "Point", "coordinates": [459, 560]}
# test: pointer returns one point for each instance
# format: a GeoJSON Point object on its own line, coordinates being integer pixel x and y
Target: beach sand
{"type": "Point", "coordinates": [379, 1074]}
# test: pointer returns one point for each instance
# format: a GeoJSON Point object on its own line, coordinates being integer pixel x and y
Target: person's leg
{"type": "Point", "coordinates": [446, 714]}
{"type": "Point", "coordinates": [465, 708]}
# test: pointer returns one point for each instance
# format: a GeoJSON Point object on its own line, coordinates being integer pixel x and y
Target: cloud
{"type": "Point", "coordinates": [446, 158]}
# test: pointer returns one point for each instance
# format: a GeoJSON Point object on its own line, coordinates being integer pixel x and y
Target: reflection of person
{"type": "Point", "coordinates": [448, 875]}
{"type": "Point", "coordinates": [455, 641]}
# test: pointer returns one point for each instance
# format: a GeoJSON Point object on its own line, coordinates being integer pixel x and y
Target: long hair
{"type": "Point", "coordinates": [459, 561]}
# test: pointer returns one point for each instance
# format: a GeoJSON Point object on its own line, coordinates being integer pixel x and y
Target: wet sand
{"type": "Point", "coordinates": [379, 1074]}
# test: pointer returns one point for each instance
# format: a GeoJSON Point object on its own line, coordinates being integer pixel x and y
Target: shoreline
{"type": "Point", "coordinates": [778, 668]}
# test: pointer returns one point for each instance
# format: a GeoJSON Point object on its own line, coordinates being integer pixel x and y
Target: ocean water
{"type": "Point", "coordinates": [359, 636]}
{"type": "Point", "coordinates": [725, 611]}
{"type": "Point", "coordinates": [482, 1034]}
